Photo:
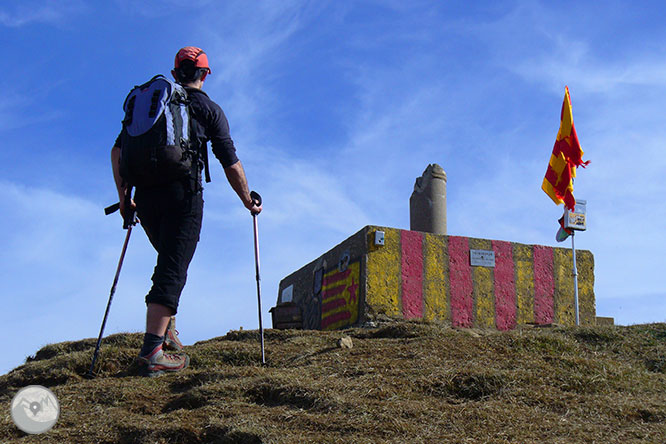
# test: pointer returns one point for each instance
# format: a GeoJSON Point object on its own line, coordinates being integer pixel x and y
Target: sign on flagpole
{"type": "Point", "coordinates": [575, 219]}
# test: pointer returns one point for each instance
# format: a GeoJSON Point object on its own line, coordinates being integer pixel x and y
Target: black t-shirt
{"type": "Point", "coordinates": [208, 122]}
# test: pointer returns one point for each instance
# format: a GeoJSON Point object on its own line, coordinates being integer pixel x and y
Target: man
{"type": "Point", "coordinates": [171, 214]}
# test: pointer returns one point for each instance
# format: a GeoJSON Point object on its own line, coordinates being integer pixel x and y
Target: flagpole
{"type": "Point", "coordinates": [575, 276]}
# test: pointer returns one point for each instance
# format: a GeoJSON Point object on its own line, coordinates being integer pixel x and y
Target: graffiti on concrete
{"type": "Point", "coordinates": [343, 263]}
{"type": "Point", "coordinates": [312, 305]}
{"type": "Point", "coordinates": [339, 296]}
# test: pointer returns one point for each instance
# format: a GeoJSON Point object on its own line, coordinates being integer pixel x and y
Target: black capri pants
{"type": "Point", "coordinates": [171, 217]}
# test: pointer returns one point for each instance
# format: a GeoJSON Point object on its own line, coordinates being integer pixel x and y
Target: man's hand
{"type": "Point", "coordinates": [123, 207]}
{"type": "Point", "coordinates": [132, 211]}
{"type": "Point", "coordinates": [253, 207]}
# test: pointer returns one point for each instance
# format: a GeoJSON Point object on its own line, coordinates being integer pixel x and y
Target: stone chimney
{"type": "Point", "coordinates": [427, 205]}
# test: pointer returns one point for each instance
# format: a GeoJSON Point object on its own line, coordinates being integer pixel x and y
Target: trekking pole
{"type": "Point", "coordinates": [128, 225]}
{"type": "Point", "coordinates": [257, 201]}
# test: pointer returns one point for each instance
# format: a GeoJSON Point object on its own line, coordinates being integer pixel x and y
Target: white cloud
{"type": "Point", "coordinates": [574, 62]}
{"type": "Point", "coordinates": [152, 10]}
{"type": "Point", "coordinates": [246, 59]}
{"type": "Point", "coordinates": [553, 45]}
{"type": "Point", "coordinates": [20, 110]}
{"type": "Point", "coordinates": [52, 12]}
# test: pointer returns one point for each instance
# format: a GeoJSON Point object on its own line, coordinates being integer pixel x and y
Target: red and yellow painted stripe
{"type": "Point", "coordinates": [420, 275]}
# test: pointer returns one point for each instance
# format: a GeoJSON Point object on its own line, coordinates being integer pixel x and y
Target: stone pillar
{"type": "Point", "coordinates": [427, 205]}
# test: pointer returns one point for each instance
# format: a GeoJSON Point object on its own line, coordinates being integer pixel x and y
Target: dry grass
{"type": "Point", "coordinates": [402, 382]}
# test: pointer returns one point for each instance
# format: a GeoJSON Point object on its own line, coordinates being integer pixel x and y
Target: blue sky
{"type": "Point", "coordinates": [335, 109]}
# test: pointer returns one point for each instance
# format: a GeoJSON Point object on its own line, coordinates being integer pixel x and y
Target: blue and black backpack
{"type": "Point", "coordinates": [155, 140]}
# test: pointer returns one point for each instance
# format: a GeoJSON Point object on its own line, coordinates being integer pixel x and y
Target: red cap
{"type": "Point", "coordinates": [192, 53]}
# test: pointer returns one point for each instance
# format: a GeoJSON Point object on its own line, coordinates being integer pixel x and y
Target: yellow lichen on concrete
{"type": "Point", "coordinates": [383, 272]}
{"type": "Point", "coordinates": [564, 289]}
{"type": "Point", "coordinates": [435, 270]}
{"type": "Point", "coordinates": [483, 294]}
{"type": "Point", "coordinates": [588, 309]}
{"type": "Point", "coordinates": [483, 288]}
{"type": "Point", "coordinates": [524, 263]}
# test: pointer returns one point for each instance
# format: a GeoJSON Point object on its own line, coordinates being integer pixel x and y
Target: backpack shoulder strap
{"type": "Point", "coordinates": [203, 150]}
{"type": "Point", "coordinates": [206, 167]}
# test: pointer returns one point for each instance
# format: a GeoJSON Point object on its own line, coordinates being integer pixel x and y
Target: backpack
{"type": "Point", "coordinates": [155, 139]}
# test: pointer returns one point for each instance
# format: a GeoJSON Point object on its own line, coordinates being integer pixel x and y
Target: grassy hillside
{"type": "Point", "coordinates": [401, 382]}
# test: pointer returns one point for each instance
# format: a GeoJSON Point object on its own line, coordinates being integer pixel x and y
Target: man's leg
{"type": "Point", "coordinates": [154, 360]}
{"type": "Point", "coordinates": [174, 232]}
{"type": "Point", "coordinates": [160, 322]}
{"type": "Point", "coordinates": [176, 240]}
{"type": "Point", "coordinates": [157, 318]}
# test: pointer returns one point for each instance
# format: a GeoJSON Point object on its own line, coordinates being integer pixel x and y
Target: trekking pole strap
{"type": "Point", "coordinates": [112, 208]}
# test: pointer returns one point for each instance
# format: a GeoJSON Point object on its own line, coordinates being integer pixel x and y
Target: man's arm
{"type": "Point", "coordinates": [120, 187]}
{"type": "Point", "coordinates": [236, 177]}
{"type": "Point", "coordinates": [115, 165]}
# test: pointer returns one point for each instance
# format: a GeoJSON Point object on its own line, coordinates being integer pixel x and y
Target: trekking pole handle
{"type": "Point", "coordinates": [256, 198]}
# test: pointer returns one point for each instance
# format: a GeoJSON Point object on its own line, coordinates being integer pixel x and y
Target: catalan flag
{"type": "Point", "coordinates": [567, 156]}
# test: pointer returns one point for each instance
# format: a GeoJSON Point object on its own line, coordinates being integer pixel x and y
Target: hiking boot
{"type": "Point", "coordinates": [159, 362]}
{"type": "Point", "coordinates": [171, 341]}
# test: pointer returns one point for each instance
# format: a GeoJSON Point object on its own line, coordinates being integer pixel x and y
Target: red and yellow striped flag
{"type": "Point", "coordinates": [567, 156]}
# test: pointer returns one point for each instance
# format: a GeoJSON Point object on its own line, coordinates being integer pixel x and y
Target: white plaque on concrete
{"type": "Point", "coordinates": [482, 258]}
{"type": "Point", "coordinates": [287, 294]}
